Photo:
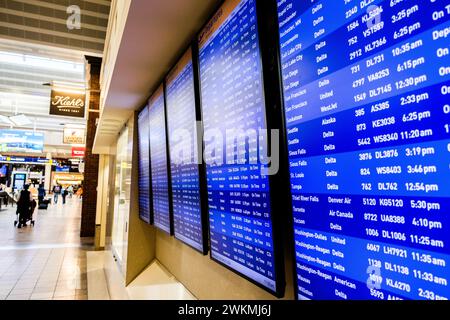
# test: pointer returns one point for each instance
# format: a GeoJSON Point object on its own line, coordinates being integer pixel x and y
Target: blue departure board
{"type": "Point", "coordinates": [183, 146]}
{"type": "Point", "coordinates": [144, 165]}
{"type": "Point", "coordinates": [366, 90]}
{"type": "Point", "coordinates": [232, 98]}
{"type": "Point", "coordinates": [158, 161]}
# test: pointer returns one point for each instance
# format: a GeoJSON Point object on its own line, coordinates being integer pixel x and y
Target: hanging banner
{"type": "Point", "coordinates": [74, 136]}
{"type": "Point", "coordinates": [68, 104]}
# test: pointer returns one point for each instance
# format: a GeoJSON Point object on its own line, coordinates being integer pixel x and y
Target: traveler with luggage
{"type": "Point", "coordinates": [42, 201]}
{"type": "Point", "coordinates": [41, 194]}
{"type": "Point", "coordinates": [25, 207]}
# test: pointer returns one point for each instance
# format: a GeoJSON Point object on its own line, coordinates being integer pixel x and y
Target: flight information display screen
{"type": "Point", "coordinates": [144, 165]}
{"type": "Point", "coordinates": [21, 141]}
{"type": "Point", "coordinates": [158, 160]}
{"type": "Point", "coordinates": [182, 131]}
{"type": "Point", "coordinates": [232, 99]}
{"type": "Point", "coordinates": [366, 87]}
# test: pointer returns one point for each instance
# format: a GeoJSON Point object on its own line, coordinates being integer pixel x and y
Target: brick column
{"type": "Point", "coordinates": [89, 207]}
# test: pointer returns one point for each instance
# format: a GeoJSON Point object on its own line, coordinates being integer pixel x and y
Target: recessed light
{"type": "Point", "coordinates": [21, 120]}
{"type": "Point", "coordinates": [75, 126]}
{"type": "Point", "coordinates": [6, 120]}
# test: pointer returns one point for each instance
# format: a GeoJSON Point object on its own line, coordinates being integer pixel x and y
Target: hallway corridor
{"type": "Point", "coordinates": [47, 262]}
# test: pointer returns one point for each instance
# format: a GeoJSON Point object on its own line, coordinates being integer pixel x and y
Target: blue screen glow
{"type": "Point", "coordinates": [158, 158]}
{"type": "Point", "coordinates": [232, 98]}
{"type": "Point", "coordinates": [181, 122]}
{"type": "Point", "coordinates": [366, 87]}
{"type": "Point", "coordinates": [21, 141]}
{"type": "Point", "coordinates": [144, 165]}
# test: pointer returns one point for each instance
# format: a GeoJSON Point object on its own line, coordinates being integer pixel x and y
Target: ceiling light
{"type": "Point", "coordinates": [21, 120]}
{"type": "Point", "coordinates": [72, 85]}
{"type": "Point", "coordinates": [6, 120]}
{"type": "Point", "coordinates": [67, 87]}
{"type": "Point", "coordinates": [75, 126]}
{"type": "Point", "coordinates": [70, 90]}
{"type": "Point", "coordinates": [47, 63]}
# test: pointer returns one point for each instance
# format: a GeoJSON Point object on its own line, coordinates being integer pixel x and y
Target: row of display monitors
{"type": "Point", "coordinates": [366, 119]}
{"type": "Point", "coordinates": [221, 206]}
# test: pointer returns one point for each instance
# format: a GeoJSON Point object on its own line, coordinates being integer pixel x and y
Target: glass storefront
{"type": "Point", "coordinates": [122, 195]}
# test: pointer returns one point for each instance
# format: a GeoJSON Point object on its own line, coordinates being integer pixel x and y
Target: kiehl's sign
{"type": "Point", "coordinates": [68, 104]}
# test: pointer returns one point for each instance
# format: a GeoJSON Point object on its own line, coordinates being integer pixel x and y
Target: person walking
{"type": "Point", "coordinates": [64, 194]}
{"type": "Point", "coordinates": [70, 190]}
{"type": "Point", "coordinates": [41, 194]}
{"type": "Point", "coordinates": [56, 193]}
{"type": "Point", "coordinates": [80, 192]}
{"type": "Point", "coordinates": [24, 207]}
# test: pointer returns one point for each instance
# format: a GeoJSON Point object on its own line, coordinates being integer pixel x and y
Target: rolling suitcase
{"type": "Point", "coordinates": [43, 206]}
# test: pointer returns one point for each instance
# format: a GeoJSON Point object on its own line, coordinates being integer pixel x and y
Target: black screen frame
{"type": "Point", "coordinates": [275, 35]}
{"type": "Point", "coordinates": [201, 166]}
{"type": "Point", "coordinates": [270, 76]}
{"type": "Point", "coordinates": [277, 46]}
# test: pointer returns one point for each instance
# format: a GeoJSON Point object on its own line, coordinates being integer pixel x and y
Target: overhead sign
{"type": "Point", "coordinates": [68, 104]}
{"type": "Point", "coordinates": [63, 169]}
{"type": "Point", "coordinates": [78, 152]}
{"type": "Point", "coordinates": [19, 160]}
{"type": "Point", "coordinates": [19, 141]}
{"type": "Point", "coordinates": [74, 136]}
{"type": "Point", "coordinates": [67, 178]}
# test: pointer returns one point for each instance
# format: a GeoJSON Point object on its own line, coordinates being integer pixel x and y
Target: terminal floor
{"type": "Point", "coordinates": [47, 262]}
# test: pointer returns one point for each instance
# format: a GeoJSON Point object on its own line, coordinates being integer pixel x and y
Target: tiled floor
{"type": "Point", "coordinates": [47, 262]}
